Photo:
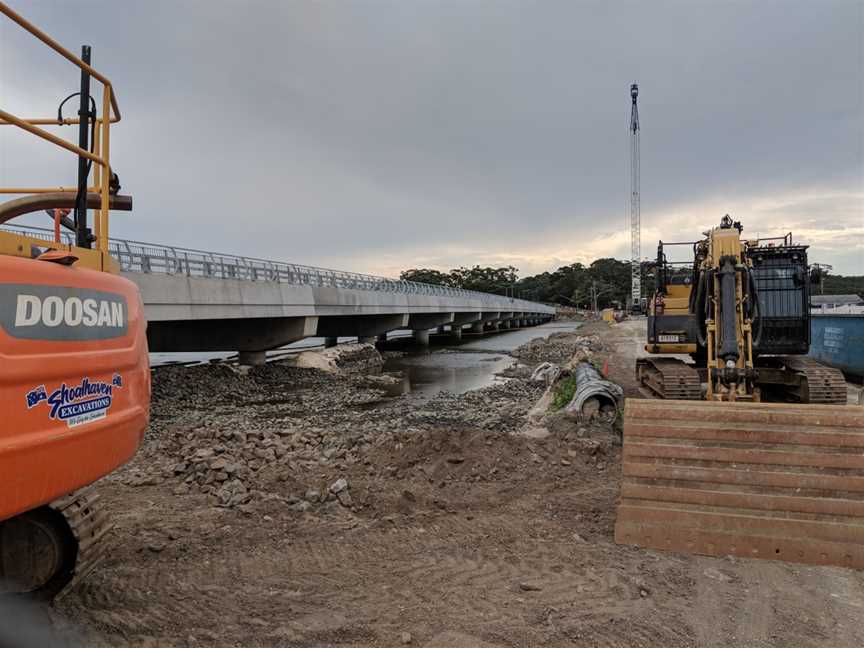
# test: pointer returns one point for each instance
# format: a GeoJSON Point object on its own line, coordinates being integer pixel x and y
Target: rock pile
{"type": "Point", "coordinates": [345, 358]}
{"type": "Point", "coordinates": [559, 348]}
{"type": "Point", "coordinates": [280, 432]}
{"type": "Point", "coordinates": [499, 408]}
{"type": "Point", "coordinates": [224, 469]}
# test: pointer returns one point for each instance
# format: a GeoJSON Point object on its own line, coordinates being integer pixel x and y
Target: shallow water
{"type": "Point", "coordinates": [470, 364]}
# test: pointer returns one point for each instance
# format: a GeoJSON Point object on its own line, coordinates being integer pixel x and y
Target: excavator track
{"type": "Point", "coordinates": [669, 378]}
{"type": "Point", "coordinates": [821, 384]}
{"type": "Point", "coordinates": [88, 525]}
{"type": "Point", "coordinates": [801, 379]}
{"type": "Point", "coordinates": [42, 551]}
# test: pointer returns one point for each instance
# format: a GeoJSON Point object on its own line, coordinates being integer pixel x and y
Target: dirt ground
{"type": "Point", "coordinates": [460, 535]}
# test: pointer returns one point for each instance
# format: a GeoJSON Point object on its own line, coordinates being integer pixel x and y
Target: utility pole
{"type": "Point", "coordinates": [635, 217]}
{"type": "Point", "coordinates": [823, 269]}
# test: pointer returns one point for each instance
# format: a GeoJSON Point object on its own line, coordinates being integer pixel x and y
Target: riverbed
{"type": "Point", "coordinates": [446, 365]}
{"type": "Point", "coordinates": [475, 362]}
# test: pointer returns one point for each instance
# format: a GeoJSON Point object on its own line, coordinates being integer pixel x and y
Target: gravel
{"type": "Point", "coordinates": [559, 348]}
{"type": "Point", "coordinates": [274, 433]}
{"type": "Point", "coordinates": [238, 437]}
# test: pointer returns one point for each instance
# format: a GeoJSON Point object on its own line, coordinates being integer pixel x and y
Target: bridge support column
{"type": "Point", "coordinates": [477, 327]}
{"type": "Point", "coordinates": [330, 342]}
{"type": "Point", "coordinates": [456, 331]}
{"type": "Point", "coordinates": [367, 339]}
{"type": "Point", "coordinates": [422, 337]}
{"type": "Point", "coordinates": [381, 340]}
{"type": "Point", "coordinates": [252, 358]}
{"type": "Point", "coordinates": [495, 326]}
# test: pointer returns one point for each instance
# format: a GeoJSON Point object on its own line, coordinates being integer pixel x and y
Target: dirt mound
{"type": "Point", "coordinates": [559, 348]}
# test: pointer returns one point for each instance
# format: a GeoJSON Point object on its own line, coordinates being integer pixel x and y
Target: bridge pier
{"type": "Point", "coordinates": [477, 327]}
{"type": "Point", "coordinates": [367, 339]}
{"type": "Point", "coordinates": [381, 340]}
{"type": "Point", "coordinates": [330, 342]}
{"type": "Point", "coordinates": [456, 331]}
{"type": "Point", "coordinates": [422, 337]}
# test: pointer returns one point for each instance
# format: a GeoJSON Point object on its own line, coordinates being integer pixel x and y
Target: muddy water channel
{"type": "Point", "coordinates": [474, 363]}
{"type": "Point", "coordinates": [447, 365]}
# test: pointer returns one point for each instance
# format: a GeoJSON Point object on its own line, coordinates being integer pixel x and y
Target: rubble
{"type": "Point", "coordinates": [546, 373]}
{"type": "Point", "coordinates": [559, 348]}
{"type": "Point", "coordinates": [234, 440]}
{"type": "Point", "coordinates": [344, 358]}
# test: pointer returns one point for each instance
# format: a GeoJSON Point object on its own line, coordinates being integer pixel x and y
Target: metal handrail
{"type": "Point", "coordinates": [65, 53]}
{"type": "Point", "coordinates": [152, 258]}
{"type": "Point", "coordinates": [101, 137]}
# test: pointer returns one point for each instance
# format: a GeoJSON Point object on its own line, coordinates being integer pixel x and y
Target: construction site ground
{"type": "Point", "coordinates": [450, 530]}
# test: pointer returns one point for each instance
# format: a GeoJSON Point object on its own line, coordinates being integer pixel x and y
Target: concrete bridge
{"type": "Point", "coordinates": [203, 301]}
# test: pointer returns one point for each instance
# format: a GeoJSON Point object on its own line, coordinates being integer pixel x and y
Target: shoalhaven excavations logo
{"type": "Point", "coordinates": [77, 404]}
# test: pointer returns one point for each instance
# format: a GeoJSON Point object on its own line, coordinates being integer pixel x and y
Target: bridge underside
{"type": "Point", "coordinates": [202, 314]}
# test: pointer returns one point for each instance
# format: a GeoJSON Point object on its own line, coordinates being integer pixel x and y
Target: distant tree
{"type": "Point", "coordinates": [426, 275]}
{"type": "Point", "coordinates": [614, 278]}
{"type": "Point", "coordinates": [568, 285]}
{"type": "Point", "coordinates": [842, 285]}
{"type": "Point", "coordinates": [490, 280]}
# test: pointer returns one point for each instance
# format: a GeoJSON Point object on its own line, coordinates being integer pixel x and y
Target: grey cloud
{"type": "Point", "coordinates": [338, 133]}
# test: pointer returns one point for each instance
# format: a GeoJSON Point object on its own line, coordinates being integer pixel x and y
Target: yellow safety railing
{"type": "Point", "coordinates": [101, 137]}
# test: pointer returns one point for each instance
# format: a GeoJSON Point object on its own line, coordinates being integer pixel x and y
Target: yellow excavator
{"type": "Point", "coordinates": [743, 446]}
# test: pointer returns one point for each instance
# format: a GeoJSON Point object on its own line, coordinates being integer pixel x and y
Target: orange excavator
{"type": "Point", "coordinates": [74, 372]}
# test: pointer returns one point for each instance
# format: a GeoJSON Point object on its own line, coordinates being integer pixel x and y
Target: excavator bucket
{"type": "Point", "coordinates": [759, 480]}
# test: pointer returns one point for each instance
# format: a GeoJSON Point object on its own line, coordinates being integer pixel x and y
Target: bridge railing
{"type": "Point", "coordinates": [150, 258]}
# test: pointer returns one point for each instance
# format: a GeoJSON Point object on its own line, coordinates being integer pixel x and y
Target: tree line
{"type": "Point", "coordinates": [576, 284]}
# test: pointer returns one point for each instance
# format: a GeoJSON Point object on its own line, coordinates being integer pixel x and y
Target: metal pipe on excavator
{"type": "Point", "coordinates": [82, 233]}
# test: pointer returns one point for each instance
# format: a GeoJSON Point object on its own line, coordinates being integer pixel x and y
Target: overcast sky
{"type": "Point", "coordinates": [377, 136]}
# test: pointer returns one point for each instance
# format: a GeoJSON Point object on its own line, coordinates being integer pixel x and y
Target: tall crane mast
{"type": "Point", "coordinates": [635, 225]}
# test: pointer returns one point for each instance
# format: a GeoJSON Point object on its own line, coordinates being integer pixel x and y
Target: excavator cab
{"type": "Point", "coordinates": [671, 325]}
{"type": "Point", "coordinates": [74, 367]}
